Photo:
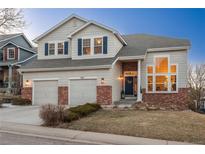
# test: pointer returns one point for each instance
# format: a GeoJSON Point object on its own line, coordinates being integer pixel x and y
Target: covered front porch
{"type": "Point", "coordinates": [10, 80]}
{"type": "Point", "coordinates": [130, 81]}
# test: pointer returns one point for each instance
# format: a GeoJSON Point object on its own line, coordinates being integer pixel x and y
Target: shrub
{"type": "Point", "coordinates": [70, 116]}
{"type": "Point", "coordinates": [74, 113]}
{"type": "Point", "coordinates": [20, 101]}
{"type": "Point", "coordinates": [85, 109]}
{"type": "Point", "coordinates": [52, 114]}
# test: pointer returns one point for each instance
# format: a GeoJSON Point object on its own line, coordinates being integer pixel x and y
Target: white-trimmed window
{"type": "Point", "coordinates": [86, 46]}
{"type": "Point", "coordinates": [98, 45]}
{"type": "Point", "coordinates": [162, 76]}
{"type": "Point", "coordinates": [60, 48]}
{"type": "Point", "coordinates": [51, 48]}
{"type": "Point", "coordinates": [11, 53]}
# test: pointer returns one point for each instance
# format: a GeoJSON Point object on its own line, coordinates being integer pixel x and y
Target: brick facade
{"type": "Point", "coordinates": [104, 95]}
{"type": "Point", "coordinates": [63, 95]}
{"type": "Point", "coordinates": [26, 93]}
{"type": "Point", "coordinates": [168, 101]}
{"type": "Point", "coordinates": [129, 66]}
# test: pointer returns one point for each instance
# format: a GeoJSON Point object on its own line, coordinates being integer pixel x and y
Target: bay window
{"type": "Point", "coordinates": [86, 47]}
{"type": "Point", "coordinates": [162, 76]}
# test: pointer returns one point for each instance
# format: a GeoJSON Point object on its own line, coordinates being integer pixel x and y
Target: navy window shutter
{"type": "Point", "coordinates": [46, 49]}
{"type": "Point", "coordinates": [105, 45]}
{"type": "Point", "coordinates": [66, 48]}
{"type": "Point", "coordinates": [79, 47]}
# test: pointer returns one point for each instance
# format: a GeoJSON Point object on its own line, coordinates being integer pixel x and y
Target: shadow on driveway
{"type": "Point", "coordinates": [21, 114]}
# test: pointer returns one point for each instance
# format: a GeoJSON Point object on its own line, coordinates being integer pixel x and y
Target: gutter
{"type": "Point", "coordinates": [64, 68]}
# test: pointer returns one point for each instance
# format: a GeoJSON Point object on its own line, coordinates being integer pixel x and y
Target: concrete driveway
{"type": "Point", "coordinates": [21, 114]}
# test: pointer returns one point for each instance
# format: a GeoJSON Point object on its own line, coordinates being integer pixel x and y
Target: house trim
{"type": "Point", "coordinates": [65, 68]}
{"type": "Point", "coordinates": [168, 48]}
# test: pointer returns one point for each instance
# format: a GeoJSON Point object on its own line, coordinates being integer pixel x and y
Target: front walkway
{"type": "Point", "coordinates": [80, 136]}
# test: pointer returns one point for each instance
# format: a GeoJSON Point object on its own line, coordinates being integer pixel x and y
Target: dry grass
{"type": "Point", "coordinates": [169, 125]}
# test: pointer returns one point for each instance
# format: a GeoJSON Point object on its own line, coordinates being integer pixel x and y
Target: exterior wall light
{"type": "Point", "coordinates": [102, 81]}
{"type": "Point", "coordinates": [27, 83]}
{"type": "Point", "coordinates": [120, 78]}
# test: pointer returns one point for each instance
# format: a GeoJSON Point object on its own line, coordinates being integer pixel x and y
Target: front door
{"type": "Point", "coordinates": [129, 85]}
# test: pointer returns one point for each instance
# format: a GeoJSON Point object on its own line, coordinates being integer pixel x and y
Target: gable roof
{"type": "Point", "coordinates": [58, 25]}
{"type": "Point", "coordinates": [7, 37]}
{"type": "Point", "coordinates": [115, 32]}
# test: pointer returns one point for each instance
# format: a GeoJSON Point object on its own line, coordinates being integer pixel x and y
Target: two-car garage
{"type": "Point", "coordinates": [80, 91]}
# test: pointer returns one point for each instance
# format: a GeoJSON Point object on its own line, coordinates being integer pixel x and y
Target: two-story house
{"type": "Point", "coordinates": [83, 61]}
{"type": "Point", "coordinates": [15, 51]}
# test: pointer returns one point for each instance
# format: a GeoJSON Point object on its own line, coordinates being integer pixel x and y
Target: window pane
{"type": "Point", "coordinates": [173, 68]}
{"type": "Point", "coordinates": [150, 69]}
{"type": "Point", "coordinates": [161, 83]}
{"type": "Point", "coordinates": [98, 45]}
{"type": "Point", "coordinates": [60, 48]}
{"type": "Point", "coordinates": [51, 49]}
{"type": "Point", "coordinates": [11, 53]}
{"type": "Point", "coordinates": [150, 82]}
{"type": "Point", "coordinates": [161, 65]}
{"type": "Point", "coordinates": [173, 82]}
{"type": "Point", "coordinates": [86, 47]}
{"type": "Point", "coordinates": [150, 87]}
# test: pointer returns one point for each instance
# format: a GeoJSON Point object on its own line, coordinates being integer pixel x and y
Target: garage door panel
{"type": "Point", "coordinates": [45, 92]}
{"type": "Point", "coordinates": [82, 91]}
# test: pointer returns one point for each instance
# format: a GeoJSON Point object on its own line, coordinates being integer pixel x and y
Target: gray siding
{"type": "Point", "coordinates": [20, 41]}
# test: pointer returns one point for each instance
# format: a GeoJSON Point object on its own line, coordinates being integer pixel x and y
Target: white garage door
{"type": "Point", "coordinates": [45, 92]}
{"type": "Point", "coordinates": [82, 91]}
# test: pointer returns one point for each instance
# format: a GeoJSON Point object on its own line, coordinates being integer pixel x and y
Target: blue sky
{"type": "Point", "coordinates": [180, 23]}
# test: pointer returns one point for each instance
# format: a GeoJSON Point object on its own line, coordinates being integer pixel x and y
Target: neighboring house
{"type": "Point", "coordinates": [83, 61]}
{"type": "Point", "coordinates": [15, 51]}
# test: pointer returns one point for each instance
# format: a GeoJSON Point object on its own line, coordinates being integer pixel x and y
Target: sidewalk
{"type": "Point", "coordinates": [80, 136]}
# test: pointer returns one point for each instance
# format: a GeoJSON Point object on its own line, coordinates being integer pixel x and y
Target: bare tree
{"type": "Point", "coordinates": [196, 80]}
{"type": "Point", "coordinates": [11, 19]}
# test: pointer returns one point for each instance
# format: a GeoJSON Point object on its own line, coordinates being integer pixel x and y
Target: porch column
{"type": "Point", "coordinates": [10, 78]}
{"type": "Point", "coordinates": [139, 95]}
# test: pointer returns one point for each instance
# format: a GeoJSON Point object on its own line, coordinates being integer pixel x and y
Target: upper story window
{"type": "Point", "coordinates": [51, 48]}
{"type": "Point", "coordinates": [98, 45]}
{"type": "Point", "coordinates": [163, 78]}
{"type": "Point", "coordinates": [11, 53]}
{"type": "Point", "coordinates": [60, 48]}
{"type": "Point", "coordinates": [86, 47]}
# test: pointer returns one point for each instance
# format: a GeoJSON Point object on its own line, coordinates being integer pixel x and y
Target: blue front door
{"type": "Point", "coordinates": [129, 85]}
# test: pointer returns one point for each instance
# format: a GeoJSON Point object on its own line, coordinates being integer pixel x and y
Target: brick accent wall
{"type": "Point", "coordinates": [26, 93]}
{"type": "Point", "coordinates": [104, 95]}
{"type": "Point", "coordinates": [129, 66]}
{"type": "Point", "coordinates": [177, 101]}
{"type": "Point", "coordinates": [63, 95]}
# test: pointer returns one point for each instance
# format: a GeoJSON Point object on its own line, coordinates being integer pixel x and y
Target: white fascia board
{"type": "Point", "coordinates": [168, 48]}
{"type": "Point", "coordinates": [58, 25]}
{"type": "Point", "coordinates": [65, 68]}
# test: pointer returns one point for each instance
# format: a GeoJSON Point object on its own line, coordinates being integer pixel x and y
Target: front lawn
{"type": "Point", "coordinates": [184, 126]}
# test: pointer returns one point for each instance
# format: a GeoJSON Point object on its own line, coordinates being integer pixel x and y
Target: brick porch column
{"type": "Point", "coordinates": [26, 93]}
{"type": "Point", "coordinates": [63, 95]}
{"type": "Point", "coordinates": [104, 95]}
